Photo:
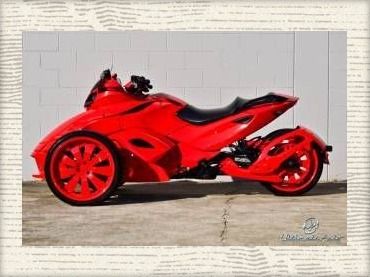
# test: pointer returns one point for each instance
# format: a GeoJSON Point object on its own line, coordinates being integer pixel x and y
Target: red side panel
{"type": "Point", "coordinates": [147, 156]}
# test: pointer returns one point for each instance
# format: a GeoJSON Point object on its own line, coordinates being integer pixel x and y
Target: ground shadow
{"type": "Point", "coordinates": [153, 192]}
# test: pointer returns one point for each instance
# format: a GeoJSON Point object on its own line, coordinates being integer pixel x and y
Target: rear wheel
{"type": "Point", "coordinates": [82, 168]}
{"type": "Point", "coordinates": [300, 173]}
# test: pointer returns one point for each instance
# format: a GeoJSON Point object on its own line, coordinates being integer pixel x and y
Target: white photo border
{"type": "Point", "coordinates": [67, 15]}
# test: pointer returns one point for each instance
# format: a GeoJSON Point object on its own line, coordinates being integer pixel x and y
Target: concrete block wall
{"type": "Point", "coordinates": [207, 69]}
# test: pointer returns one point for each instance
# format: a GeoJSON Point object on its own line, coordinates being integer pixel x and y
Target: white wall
{"type": "Point", "coordinates": [207, 69]}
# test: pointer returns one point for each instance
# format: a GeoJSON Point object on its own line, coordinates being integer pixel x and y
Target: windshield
{"type": "Point", "coordinates": [106, 82]}
{"type": "Point", "coordinates": [97, 87]}
{"type": "Point", "coordinates": [93, 92]}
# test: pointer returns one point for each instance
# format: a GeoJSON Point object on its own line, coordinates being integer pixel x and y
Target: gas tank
{"type": "Point", "coordinates": [164, 97]}
{"type": "Point", "coordinates": [108, 98]}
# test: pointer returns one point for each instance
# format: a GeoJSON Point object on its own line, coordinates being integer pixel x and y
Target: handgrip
{"type": "Point", "coordinates": [142, 84]}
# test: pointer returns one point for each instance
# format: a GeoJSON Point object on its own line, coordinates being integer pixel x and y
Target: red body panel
{"type": "Point", "coordinates": [155, 143]}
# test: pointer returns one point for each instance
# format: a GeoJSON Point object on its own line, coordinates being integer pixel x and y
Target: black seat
{"type": "Point", "coordinates": [198, 116]}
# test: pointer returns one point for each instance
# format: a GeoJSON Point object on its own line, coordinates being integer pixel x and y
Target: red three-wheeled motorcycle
{"type": "Point", "coordinates": [128, 135]}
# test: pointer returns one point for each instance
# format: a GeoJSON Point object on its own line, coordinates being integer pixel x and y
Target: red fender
{"type": "Point", "coordinates": [269, 160]}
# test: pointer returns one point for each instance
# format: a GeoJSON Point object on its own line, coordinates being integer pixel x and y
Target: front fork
{"type": "Point", "coordinates": [274, 150]}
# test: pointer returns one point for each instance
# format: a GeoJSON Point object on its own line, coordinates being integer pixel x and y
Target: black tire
{"type": "Point", "coordinates": [306, 189]}
{"type": "Point", "coordinates": [116, 181]}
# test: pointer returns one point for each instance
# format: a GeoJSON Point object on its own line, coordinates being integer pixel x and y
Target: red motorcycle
{"type": "Point", "coordinates": [128, 135]}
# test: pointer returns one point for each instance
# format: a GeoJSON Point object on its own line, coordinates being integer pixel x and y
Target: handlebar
{"type": "Point", "coordinates": [140, 84]}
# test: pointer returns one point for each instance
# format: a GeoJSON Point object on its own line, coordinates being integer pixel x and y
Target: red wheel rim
{"type": "Point", "coordinates": [300, 176]}
{"type": "Point", "coordinates": [82, 168]}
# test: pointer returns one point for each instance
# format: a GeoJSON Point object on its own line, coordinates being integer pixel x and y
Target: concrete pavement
{"type": "Point", "coordinates": [187, 213]}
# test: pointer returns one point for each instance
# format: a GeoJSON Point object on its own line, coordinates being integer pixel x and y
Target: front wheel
{"type": "Point", "coordinates": [300, 173]}
{"type": "Point", "coordinates": [82, 168]}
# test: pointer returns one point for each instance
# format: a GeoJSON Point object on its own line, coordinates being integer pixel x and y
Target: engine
{"type": "Point", "coordinates": [244, 152]}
